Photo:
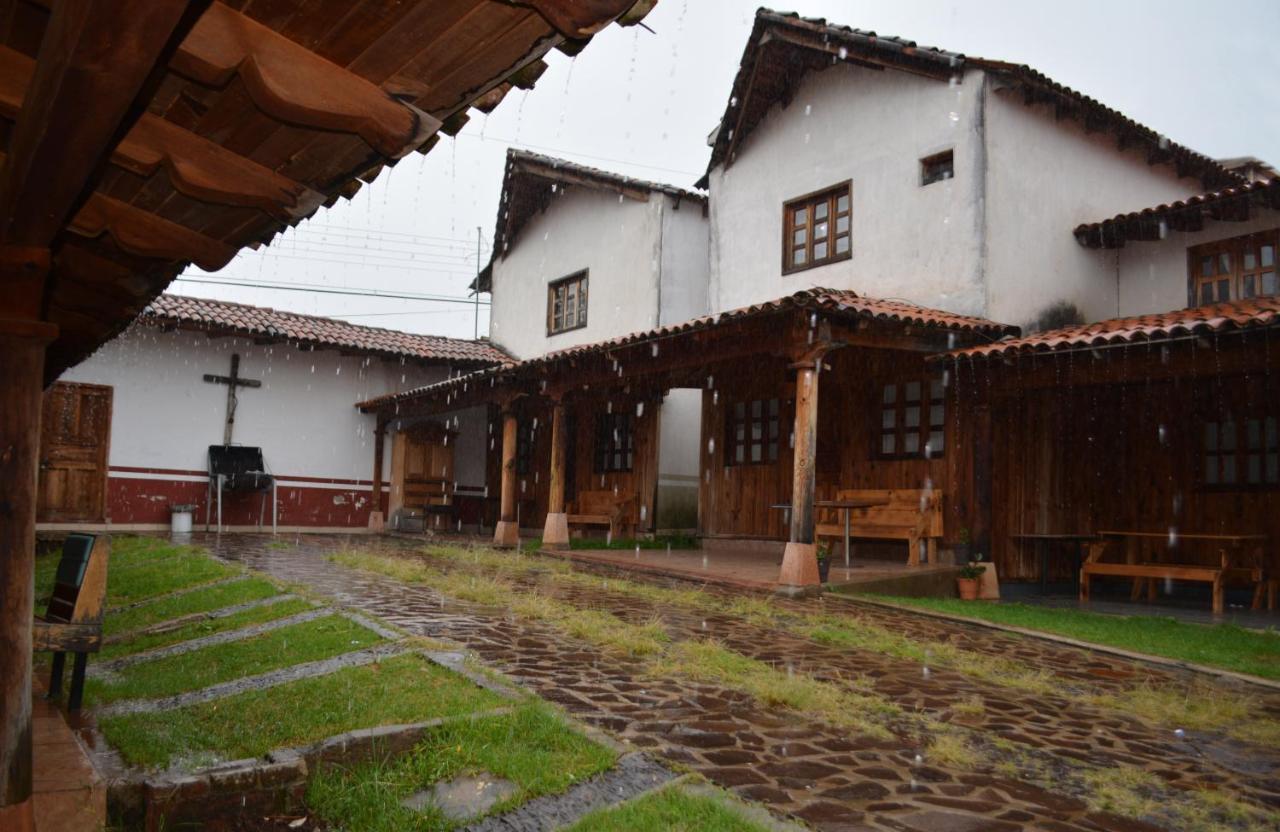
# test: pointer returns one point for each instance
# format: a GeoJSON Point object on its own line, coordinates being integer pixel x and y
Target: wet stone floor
{"type": "Point", "coordinates": [831, 778]}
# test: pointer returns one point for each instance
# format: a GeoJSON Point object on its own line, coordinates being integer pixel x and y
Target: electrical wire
{"type": "Point", "coordinates": [329, 290]}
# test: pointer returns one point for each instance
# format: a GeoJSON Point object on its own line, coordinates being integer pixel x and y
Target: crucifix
{"type": "Point", "coordinates": [232, 381]}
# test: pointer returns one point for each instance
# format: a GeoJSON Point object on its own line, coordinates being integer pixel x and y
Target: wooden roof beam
{"type": "Point", "coordinates": [291, 83]}
{"type": "Point", "coordinates": [81, 90]}
{"type": "Point", "coordinates": [577, 19]}
{"type": "Point", "coordinates": [147, 235]}
{"type": "Point", "coordinates": [197, 167]}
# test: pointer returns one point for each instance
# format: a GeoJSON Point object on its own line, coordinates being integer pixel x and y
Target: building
{"type": "Point", "coordinates": [128, 430]}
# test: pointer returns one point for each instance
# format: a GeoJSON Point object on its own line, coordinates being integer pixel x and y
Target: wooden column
{"type": "Point", "coordinates": [508, 531]}
{"type": "Point", "coordinates": [22, 349]}
{"type": "Point", "coordinates": [376, 519]}
{"type": "Point", "coordinates": [555, 533]}
{"type": "Point", "coordinates": [799, 561]}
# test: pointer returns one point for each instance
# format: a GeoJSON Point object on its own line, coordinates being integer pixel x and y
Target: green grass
{"type": "Point", "coordinates": [140, 567]}
{"type": "Point", "coordinates": [1227, 646]}
{"type": "Point", "coordinates": [312, 640]}
{"type": "Point", "coordinates": [402, 689]}
{"type": "Point", "coordinates": [532, 747]}
{"type": "Point", "coordinates": [206, 627]}
{"type": "Point", "coordinates": [195, 601]}
{"type": "Point", "coordinates": [670, 810]}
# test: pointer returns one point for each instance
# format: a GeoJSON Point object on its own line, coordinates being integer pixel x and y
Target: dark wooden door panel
{"type": "Point", "coordinates": [75, 435]}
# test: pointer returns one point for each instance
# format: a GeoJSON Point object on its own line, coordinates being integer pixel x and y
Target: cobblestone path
{"type": "Point", "coordinates": [825, 776]}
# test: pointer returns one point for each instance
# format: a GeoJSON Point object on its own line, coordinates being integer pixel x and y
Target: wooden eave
{"type": "Point", "coordinates": [229, 122]}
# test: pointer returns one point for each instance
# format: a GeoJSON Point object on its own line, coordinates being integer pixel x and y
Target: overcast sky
{"type": "Point", "coordinates": [642, 103]}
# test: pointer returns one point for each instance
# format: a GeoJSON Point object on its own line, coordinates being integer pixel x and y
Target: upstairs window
{"type": "Point", "coordinates": [1235, 269]}
{"type": "Point", "coordinates": [913, 418]}
{"type": "Point", "coordinates": [937, 167]}
{"type": "Point", "coordinates": [567, 303]}
{"type": "Point", "coordinates": [815, 229]}
{"type": "Point", "coordinates": [615, 443]}
{"type": "Point", "coordinates": [751, 432]}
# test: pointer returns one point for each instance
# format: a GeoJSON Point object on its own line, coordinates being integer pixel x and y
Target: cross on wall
{"type": "Point", "coordinates": [232, 381]}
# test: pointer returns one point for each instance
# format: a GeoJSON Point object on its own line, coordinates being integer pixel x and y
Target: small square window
{"type": "Point", "coordinates": [936, 168]}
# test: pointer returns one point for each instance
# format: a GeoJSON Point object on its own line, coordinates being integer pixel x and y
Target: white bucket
{"type": "Point", "coordinates": [180, 519]}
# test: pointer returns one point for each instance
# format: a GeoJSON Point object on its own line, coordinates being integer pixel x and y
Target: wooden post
{"type": "Point", "coordinates": [508, 531]}
{"type": "Point", "coordinates": [376, 519]}
{"type": "Point", "coordinates": [22, 350]}
{"type": "Point", "coordinates": [799, 572]}
{"type": "Point", "coordinates": [555, 533]}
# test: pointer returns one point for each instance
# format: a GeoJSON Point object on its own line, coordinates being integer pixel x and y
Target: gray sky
{"type": "Point", "coordinates": [643, 103]}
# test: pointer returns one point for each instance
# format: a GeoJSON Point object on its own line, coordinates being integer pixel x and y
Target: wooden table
{"type": "Point", "coordinates": [1040, 541]}
{"type": "Point", "coordinates": [845, 506]}
{"type": "Point", "coordinates": [1239, 555]}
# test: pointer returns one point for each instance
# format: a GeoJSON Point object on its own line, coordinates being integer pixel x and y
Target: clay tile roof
{"type": "Point", "coordinates": [308, 330]}
{"type": "Point", "coordinates": [783, 47]}
{"type": "Point", "coordinates": [1235, 203]}
{"type": "Point", "coordinates": [1255, 313]}
{"type": "Point", "coordinates": [837, 302]}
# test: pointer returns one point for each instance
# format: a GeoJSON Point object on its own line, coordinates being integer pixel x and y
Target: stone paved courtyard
{"type": "Point", "coordinates": [829, 777]}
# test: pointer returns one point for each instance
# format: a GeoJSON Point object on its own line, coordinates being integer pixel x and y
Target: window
{"type": "Point", "coordinates": [615, 442]}
{"type": "Point", "coordinates": [1241, 453]}
{"type": "Point", "coordinates": [936, 168]}
{"type": "Point", "coordinates": [567, 304]}
{"type": "Point", "coordinates": [913, 418]}
{"type": "Point", "coordinates": [815, 229]}
{"type": "Point", "coordinates": [751, 432]}
{"type": "Point", "coordinates": [524, 446]}
{"type": "Point", "coordinates": [1235, 269]}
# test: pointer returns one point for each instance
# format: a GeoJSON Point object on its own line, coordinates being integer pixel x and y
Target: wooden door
{"type": "Point", "coordinates": [422, 468]}
{"type": "Point", "coordinates": [74, 439]}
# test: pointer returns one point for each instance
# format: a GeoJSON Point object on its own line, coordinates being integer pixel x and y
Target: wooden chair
{"type": "Point", "coordinates": [912, 515]}
{"type": "Point", "coordinates": [73, 621]}
{"type": "Point", "coordinates": [616, 512]}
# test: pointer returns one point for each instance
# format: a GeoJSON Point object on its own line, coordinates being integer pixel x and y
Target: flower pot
{"type": "Point", "coordinates": [968, 588]}
{"type": "Point", "coordinates": [824, 570]}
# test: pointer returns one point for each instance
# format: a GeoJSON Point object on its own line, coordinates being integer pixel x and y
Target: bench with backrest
{"type": "Point", "coordinates": [912, 515]}
{"type": "Point", "coordinates": [73, 621]}
{"type": "Point", "coordinates": [616, 512]}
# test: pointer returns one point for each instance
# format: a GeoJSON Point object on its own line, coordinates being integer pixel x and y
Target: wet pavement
{"type": "Point", "coordinates": [829, 777]}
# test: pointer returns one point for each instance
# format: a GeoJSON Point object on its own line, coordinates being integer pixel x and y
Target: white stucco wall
{"type": "Point", "coordinates": [617, 242]}
{"type": "Point", "coordinates": [685, 240]}
{"type": "Point", "coordinates": [846, 122]}
{"type": "Point", "coordinates": [165, 415]}
{"type": "Point", "coordinates": [1152, 276]}
{"type": "Point", "coordinates": [1045, 177]}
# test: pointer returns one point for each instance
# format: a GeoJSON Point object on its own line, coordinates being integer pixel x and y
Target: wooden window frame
{"type": "Point", "coordinates": [929, 434]}
{"type": "Point", "coordinates": [615, 443]}
{"type": "Point", "coordinates": [768, 420]}
{"type": "Point", "coordinates": [1230, 442]}
{"type": "Point", "coordinates": [828, 198]}
{"type": "Point", "coordinates": [560, 291]}
{"type": "Point", "coordinates": [525, 440]}
{"type": "Point", "coordinates": [1232, 275]}
{"type": "Point", "coordinates": [948, 156]}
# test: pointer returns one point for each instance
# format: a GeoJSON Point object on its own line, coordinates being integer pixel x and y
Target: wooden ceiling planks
{"type": "Point", "coordinates": [262, 111]}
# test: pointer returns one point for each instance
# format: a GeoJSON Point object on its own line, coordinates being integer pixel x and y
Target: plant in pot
{"type": "Point", "coordinates": [824, 560]}
{"type": "Point", "coordinates": [968, 580]}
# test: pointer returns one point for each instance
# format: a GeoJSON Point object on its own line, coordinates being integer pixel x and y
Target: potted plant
{"type": "Point", "coordinates": [824, 560]}
{"type": "Point", "coordinates": [962, 546]}
{"type": "Point", "coordinates": [968, 579]}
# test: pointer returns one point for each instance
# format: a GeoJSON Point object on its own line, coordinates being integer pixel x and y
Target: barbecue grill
{"type": "Point", "coordinates": [239, 469]}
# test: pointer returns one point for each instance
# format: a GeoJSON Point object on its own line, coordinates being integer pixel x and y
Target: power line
{"type": "Point", "coordinates": [324, 290]}
{"type": "Point", "coordinates": [407, 265]}
{"type": "Point", "coordinates": [545, 149]}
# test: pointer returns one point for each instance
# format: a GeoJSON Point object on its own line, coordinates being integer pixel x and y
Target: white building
{"type": "Point", "coordinates": [138, 416]}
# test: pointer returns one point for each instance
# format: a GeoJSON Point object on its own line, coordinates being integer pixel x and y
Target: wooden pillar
{"type": "Point", "coordinates": [22, 352]}
{"type": "Point", "coordinates": [376, 519]}
{"type": "Point", "coordinates": [508, 531]}
{"type": "Point", "coordinates": [799, 561]}
{"type": "Point", "coordinates": [555, 533]}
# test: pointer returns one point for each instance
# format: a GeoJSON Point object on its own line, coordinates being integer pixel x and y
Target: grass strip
{"type": "Point", "coordinates": [306, 642]}
{"type": "Point", "coordinates": [206, 627]}
{"type": "Point", "coordinates": [533, 747]}
{"type": "Point", "coordinates": [189, 603]}
{"type": "Point", "coordinates": [1256, 652]}
{"type": "Point", "coordinates": [141, 567]}
{"type": "Point", "coordinates": [672, 809]}
{"type": "Point", "coordinates": [403, 689]}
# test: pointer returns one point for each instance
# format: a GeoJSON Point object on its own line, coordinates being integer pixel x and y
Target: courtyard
{"type": "Point", "coordinates": [827, 712]}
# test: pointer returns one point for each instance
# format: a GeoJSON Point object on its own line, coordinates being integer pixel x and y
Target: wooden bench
{"type": "Point", "coordinates": [604, 508]}
{"type": "Point", "coordinates": [1238, 557]}
{"type": "Point", "coordinates": [73, 621]}
{"type": "Point", "coordinates": [912, 515]}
